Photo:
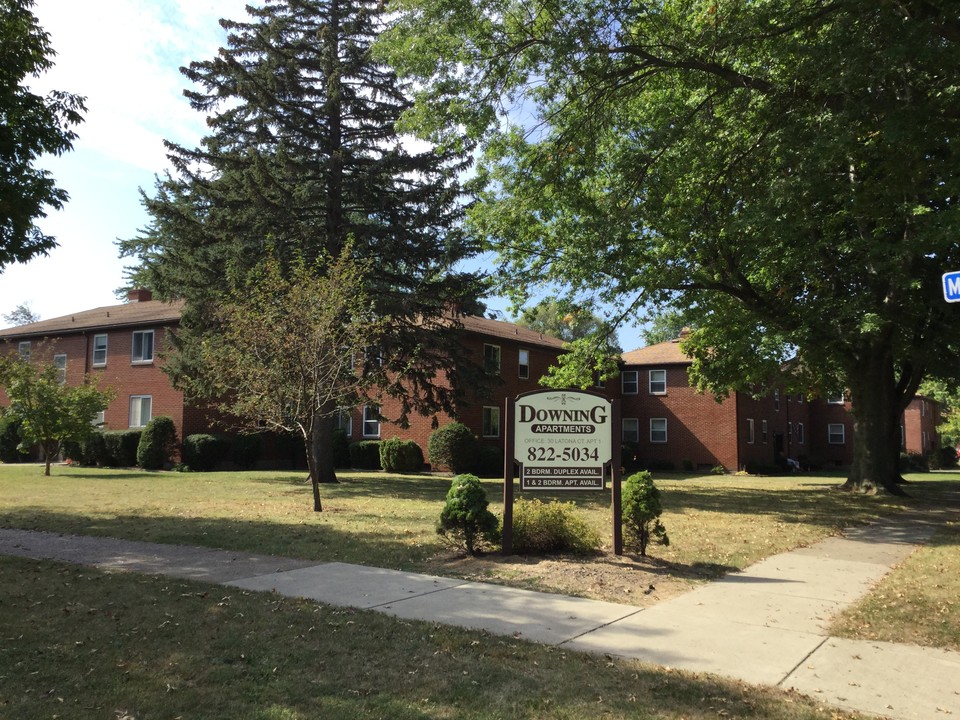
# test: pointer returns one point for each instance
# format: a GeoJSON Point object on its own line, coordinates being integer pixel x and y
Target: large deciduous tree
{"type": "Point", "coordinates": [30, 126]}
{"type": "Point", "coordinates": [303, 157]}
{"type": "Point", "coordinates": [51, 412]}
{"type": "Point", "coordinates": [788, 168]}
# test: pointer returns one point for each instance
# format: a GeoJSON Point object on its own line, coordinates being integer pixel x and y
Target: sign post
{"type": "Point", "coordinates": [561, 440]}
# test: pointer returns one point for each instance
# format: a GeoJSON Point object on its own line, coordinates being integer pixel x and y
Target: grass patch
{"type": "Point", "coordinates": [716, 523]}
{"type": "Point", "coordinates": [919, 602]}
{"type": "Point", "coordinates": [80, 643]}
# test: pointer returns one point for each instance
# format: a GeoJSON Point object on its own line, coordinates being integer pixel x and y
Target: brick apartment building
{"type": "Point", "coordinates": [670, 424]}
{"type": "Point", "coordinates": [667, 422]}
{"type": "Point", "coordinates": [121, 346]}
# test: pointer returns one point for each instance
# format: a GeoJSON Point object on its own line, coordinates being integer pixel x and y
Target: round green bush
{"type": "Point", "coordinates": [541, 528]}
{"type": "Point", "coordinates": [465, 521]}
{"type": "Point", "coordinates": [157, 443]}
{"type": "Point", "coordinates": [398, 455]}
{"type": "Point", "coordinates": [453, 447]}
{"type": "Point", "coordinates": [641, 513]}
{"type": "Point", "coordinates": [202, 451]}
{"type": "Point", "coordinates": [365, 455]}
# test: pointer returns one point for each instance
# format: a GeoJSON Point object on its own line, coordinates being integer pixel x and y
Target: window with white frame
{"type": "Point", "coordinates": [491, 359]}
{"type": "Point", "coordinates": [601, 383]}
{"type": "Point", "coordinates": [98, 419]}
{"type": "Point", "coordinates": [23, 348]}
{"type": "Point", "coordinates": [835, 399]}
{"type": "Point", "coordinates": [658, 430]}
{"type": "Point", "coordinates": [799, 433]}
{"type": "Point", "coordinates": [658, 382]}
{"type": "Point", "coordinates": [763, 431]}
{"type": "Point", "coordinates": [630, 382]}
{"type": "Point", "coordinates": [142, 346]}
{"type": "Point", "coordinates": [141, 410]}
{"type": "Point", "coordinates": [836, 434]}
{"type": "Point", "coordinates": [630, 430]}
{"type": "Point", "coordinates": [491, 421]}
{"type": "Point", "coordinates": [371, 421]}
{"type": "Point", "coordinates": [344, 421]}
{"type": "Point", "coordinates": [776, 400]}
{"type": "Point", "coordinates": [923, 439]}
{"type": "Point", "coordinates": [923, 408]}
{"type": "Point", "coordinates": [99, 350]}
{"type": "Point", "coordinates": [60, 363]}
{"type": "Point", "coordinates": [372, 358]}
{"type": "Point", "coordinates": [903, 437]}
{"type": "Point", "coordinates": [750, 431]}
{"type": "Point", "coordinates": [523, 364]}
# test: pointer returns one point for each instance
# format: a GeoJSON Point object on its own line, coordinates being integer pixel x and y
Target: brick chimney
{"type": "Point", "coordinates": [139, 295]}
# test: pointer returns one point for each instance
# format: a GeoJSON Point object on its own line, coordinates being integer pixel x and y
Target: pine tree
{"type": "Point", "coordinates": [304, 157]}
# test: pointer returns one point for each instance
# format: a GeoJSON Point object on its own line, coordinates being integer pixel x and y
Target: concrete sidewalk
{"type": "Point", "coordinates": [764, 625]}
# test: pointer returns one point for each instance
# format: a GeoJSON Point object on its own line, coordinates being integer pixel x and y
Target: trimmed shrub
{"type": "Point", "coordinates": [93, 450]}
{"type": "Point", "coordinates": [465, 521]}
{"type": "Point", "coordinates": [246, 450]}
{"type": "Point", "coordinates": [641, 513]}
{"type": "Point", "coordinates": [454, 447]}
{"type": "Point", "coordinates": [489, 461]}
{"type": "Point", "coordinates": [203, 452]}
{"type": "Point", "coordinates": [341, 448]}
{"type": "Point", "coordinates": [121, 447]}
{"type": "Point", "coordinates": [947, 457]}
{"type": "Point", "coordinates": [10, 440]}
{"type": "Point", "coordinates": [541, 528]}
{"type": "Point", "coordinates": [365, 455]}
{"type": "Point", "coordinates": [913, 462]}
{"type": "Point", "coordinates": [398, 455]}
{"type": "Point", "coordinates": [157, 444]}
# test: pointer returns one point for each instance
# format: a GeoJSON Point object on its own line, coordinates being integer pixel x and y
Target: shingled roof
{"type": "Point", "coordinates": [507, 331]}
{"type": "Point", "coordinates": [131, 314]}
{"type": "Point", "coordinates": [665, 353]}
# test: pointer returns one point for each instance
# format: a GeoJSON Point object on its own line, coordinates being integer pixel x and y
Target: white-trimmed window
{"type": "Point", "coordinates": [903, 437]}
{"type": "Point", "coordinates": [99, 350]}
{"type": "Point", "coordinates": [658, 430]}
{"type": "Point", "coordinates": [835, 399]}
{"type": "Point", "coordinates": [142, 346]}
{"type": "Point", "coordinates": [751, 438]}
{"type": "Point", "coordinates": [491, 421]}
{"type": "Point", "coordinates": [344, 421]}
{"type": "Point", "coordinates": [23, 348]}
{"type": "Point", "coordinates": [141, 410]}
{"type": "Point", "coordinates": [836, 434]}
{"type": "Point", "coordinates": [60, 363]}
{"type": "Point", "coordinates": [491, 359]}
{"type": "Point", "coordinates": [371, 421]}
{"type": "Point", "coordinates": [98, 419]}
{"type": "Point", "coordinates": [658, 382]}
{"type": "Point", "coordinates": [601, 383]}
{"type": "Point", "coordinates": [923, 408]}
{"type": "Point", "coordinates": [630, 430]}
{"type": "Point", "coordinates": [923, 439]}
{"type": "Point", "coordinates": [630, 382]}
{"type": "Point", "coordinates": [799, 433]}
{"type": "Point", "coordinates": [763, 431]}
{"type": "Point", "coordinates": [523, 364]}
{"type": "Point", "coordinates": [776, 400]}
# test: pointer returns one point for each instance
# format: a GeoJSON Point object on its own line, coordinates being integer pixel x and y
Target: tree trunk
{"type": "Point", "coordinates": [320, 455]}
{"type": "Point", "coordinates": [876, 434]}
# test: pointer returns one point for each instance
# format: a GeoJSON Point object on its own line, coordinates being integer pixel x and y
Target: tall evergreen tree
{"type": "Point", "coordinates": [303, 157]}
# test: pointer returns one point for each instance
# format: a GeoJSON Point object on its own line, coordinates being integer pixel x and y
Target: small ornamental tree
{"type": "Point", "coordinates": [641, 513]}
{"type": "Point", "coordinates": [465, 521]}
{"type": "Point", "coordinates": [51, 413]}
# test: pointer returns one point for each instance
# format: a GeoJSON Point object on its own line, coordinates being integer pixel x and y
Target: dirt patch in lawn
{"type": "Point", "coordinates": [627, 579]}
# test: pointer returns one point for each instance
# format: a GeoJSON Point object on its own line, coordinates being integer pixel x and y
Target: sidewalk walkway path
{"type": "Point", "coordinates": [765, 625]}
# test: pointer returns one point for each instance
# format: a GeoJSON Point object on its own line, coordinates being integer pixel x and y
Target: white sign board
{"type": "Point", "coordinates": [562, 439]}
{"type": "Point", "coordinates": [951, 287]}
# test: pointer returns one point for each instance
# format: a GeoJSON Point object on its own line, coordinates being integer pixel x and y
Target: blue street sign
{"type": "Point", "coordinates": [951, 286]}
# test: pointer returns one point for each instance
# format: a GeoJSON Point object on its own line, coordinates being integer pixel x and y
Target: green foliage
{"type": "Point", "coordinates": [93, 450]}
{"type": "Point", "coordinates": [718, 470]}
{"type": "Point", "coordinates": [202, 452]}
{"type": "Point", "coordinates": [341, 448]}
{"type": "Point", "coordinates": [774, 168]}
{"type": "Point", "coordinates": [33, 126]}
{"type": "Point", "coordinates": [465, 521]}
{"type": "Point", "coordinates": [157, 443]}
{"type": "Point", "coordinates": [365, 455]}
{"type": "Point", "coordinates": [398, 455]}
{"type": "Point", "coordinates": [641, 513]}
{"type": "Point", "coordinates": [541, 528]}
{"type": "Point", "coordinates": [121, 447]}
{"type": "Point", "coordinates": [50, 412]}
{"type": "Point", "coordinates": [453, 447]}
{"type": "Point", "coordinates": [489, 461]}
{"type": "Point", "coordinates": [246, 449]}
{"type": "Point", "coordinates": [10, 439]}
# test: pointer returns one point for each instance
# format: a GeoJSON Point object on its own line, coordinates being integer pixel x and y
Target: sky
{"type": "Point", "coordinates": [124, 56]}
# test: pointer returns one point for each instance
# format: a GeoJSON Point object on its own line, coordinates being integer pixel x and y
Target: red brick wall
{"type": "Point", "coordinates": [823, 453]}
{"type": "Point", "coordinates": [919, 423]}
